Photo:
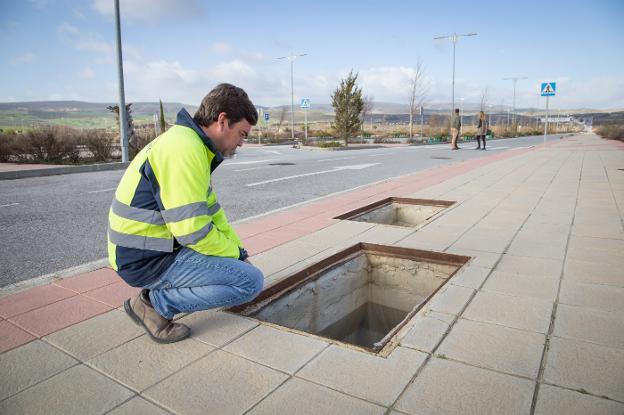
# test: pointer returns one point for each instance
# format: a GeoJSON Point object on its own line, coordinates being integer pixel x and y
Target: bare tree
{"type": "Point", "coordinates": [484, 99]}
{"type": "Point", "coordinates": [417, 92]}
{"type": "Point", "coordinates": [369, 104]}
{"type": "Point", "coordinates": [282, 117]}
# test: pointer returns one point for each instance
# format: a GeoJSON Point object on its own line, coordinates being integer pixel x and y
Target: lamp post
{"type": "Point", "coordinates": [454, 38]}
{"type": "Point", "coordinates": [291, 58]}
{"type": "Point", "coordinates": [123, 121]}
{"type": "Point", "coordinates": [515, 81]}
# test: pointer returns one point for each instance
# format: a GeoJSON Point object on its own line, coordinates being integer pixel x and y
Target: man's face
{"type": "Point", "coordinates": [232, 136]}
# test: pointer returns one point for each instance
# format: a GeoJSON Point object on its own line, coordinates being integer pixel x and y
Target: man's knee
{"type": "Point", "coordinates": [255, 280]}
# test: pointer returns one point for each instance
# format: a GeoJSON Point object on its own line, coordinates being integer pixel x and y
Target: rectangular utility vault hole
{"type": "Point", "coordinates": [398, 211]}
{"type": "Point", "coordinates": [362, 296]}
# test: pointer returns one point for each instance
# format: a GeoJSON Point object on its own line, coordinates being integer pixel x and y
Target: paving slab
{"type": "Point", "coordinates": [369, 377]}
{"type": "Point", "coordinates": [142, 362]}
{"type": "Point", "coordinates": [554, 400]}
{"type": "Point", "coordinates": [217, 328]}
{"type": "Point", "coordinates": [138, 406]}
{"type": "Point", "coordinates": [470, 276]}
{"type": "Point", "coordinates": [427, 331]}
{"type": "Point", "coordinates": [541, 287]}
{"type": "Point", "coordinates": [451, 299]}
{"type": "Point", "coordinates": [29, 365]}
{"type": "Point", "coordinates": [97, 335]}
{"type": "Point", "coordinates": [593, 272]}
{"type": "Point", "coordinates": [479, 258]}
{"type": "Point", "coordinates": [533, 266]}
{"type": "Point", "coordinates": [583, 366]}
{"type": "Point", "coordinates": [445, 387]}
{"type": "Point", "coordinates": [600, 297]}
{"type": "Point", "coordinates": [12, 336]}
{"type": "Point", "coordinates": [300, 397]}
{"type": "Point", "coordinates": [279, 349]}
{"type": "Point", "coordinates": [32, 299]}
{"type": "Point", "coordinates": [602, 327]}
{"type": "Point", "coordinates": [491, 346]}
{"type": "Point", "coordinates": [79, 390]}
{"type": "Point", "coordinates": [524, 313]}
{"type": "Point", "coordinates": [219, 383]}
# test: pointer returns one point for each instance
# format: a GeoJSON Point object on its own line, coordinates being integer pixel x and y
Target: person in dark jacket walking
{"type": "Point", "coordinates": [482, 129]}
{"type": "Point", "coordinates": [455, 126]}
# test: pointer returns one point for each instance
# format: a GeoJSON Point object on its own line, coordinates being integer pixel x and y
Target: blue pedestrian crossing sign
{"type": "Point", "coordinates": [548, 89]}
{"type": "Point", "coordinates": [305, 103]}
{"type": "Point", "coordinates": [266, 116]}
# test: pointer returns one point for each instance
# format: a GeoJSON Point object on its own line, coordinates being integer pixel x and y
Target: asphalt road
{"type": "Point", "coordinates": [56, 222]}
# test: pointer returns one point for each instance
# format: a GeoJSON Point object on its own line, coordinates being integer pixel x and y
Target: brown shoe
{"type": "Point", "coordinates": [159, 328]}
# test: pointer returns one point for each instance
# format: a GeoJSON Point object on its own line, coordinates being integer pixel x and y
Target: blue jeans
{"type": "Point", "coordinates": [199, 282]}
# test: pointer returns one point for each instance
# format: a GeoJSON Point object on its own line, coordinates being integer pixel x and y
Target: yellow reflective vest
{"type": "Point", "coordinates": [165, 201]}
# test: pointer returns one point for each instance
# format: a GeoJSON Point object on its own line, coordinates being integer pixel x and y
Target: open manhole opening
{"type": "Point", "coordinates": [281, 164]}
{"type": "Point", "coordinates": [362, 296]}
{"type": "Point", "coordinates": [398, 211]}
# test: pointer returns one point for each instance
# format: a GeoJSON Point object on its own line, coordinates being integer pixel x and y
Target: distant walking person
{"type": "Point", "coordinates": [455, 126]}
{"type": "Point", "coordinates": [482, 129]}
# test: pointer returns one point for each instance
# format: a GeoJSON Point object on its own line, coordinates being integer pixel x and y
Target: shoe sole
{"type": "Point", "coordinates": [139, 322]}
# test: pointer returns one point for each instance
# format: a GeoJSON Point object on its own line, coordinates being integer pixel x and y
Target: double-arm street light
{"type": "Point", "coordinates": [515, 81]}
{"type": "Point", "coordinates": [291, 58]}
{"type": "Point", "coordinates": [454, 38]}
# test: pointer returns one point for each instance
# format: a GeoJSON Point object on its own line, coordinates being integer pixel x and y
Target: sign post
{"type": "Point", "coordinates": [422, 112]}
{"type": "Point", "coordinates": [266, 125]}
{"type": "Point", "coordinates": [305, 104]}
{"type": "Point", "coordinates": [548, 90]}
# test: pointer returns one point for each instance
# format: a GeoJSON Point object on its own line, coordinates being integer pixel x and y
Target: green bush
{"type": "Point", "coordinates": [49, 144]}
{"type": "Point", "coordinates": [8, 146]}
{"type": "Point", "coordinates": [100, 143]}
{"type": "Point", "coordinates": [329, 144]}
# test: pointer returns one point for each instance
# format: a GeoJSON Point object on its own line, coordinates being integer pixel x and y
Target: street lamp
{"type": "Point", "coordinates": [515, 80]}
{"type": "Point", "coordinates": [454, 38]}
{"type": "Point", "coordinates": [123, 121]}
{"type": "Point", "coordinates": [291, 58]}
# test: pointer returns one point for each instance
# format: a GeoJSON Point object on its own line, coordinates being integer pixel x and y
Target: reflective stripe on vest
{"type": "Point", "coordinates": [152, 217]}
{"type": "Point", "coordinates": [193, 238]}
{"type": "Point", "coordinates": [140, 242]}
{"type": "Point", "coordinates": [189, 211]}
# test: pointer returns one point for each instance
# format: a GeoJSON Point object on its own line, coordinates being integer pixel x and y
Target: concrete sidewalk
{"type": "Point", "coordinates": [532, 324]}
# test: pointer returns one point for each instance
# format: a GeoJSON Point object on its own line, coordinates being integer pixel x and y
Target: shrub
{"type": "Point", "coordinates": [8, 146]}
{"type": "Point", "coordinates": [329, 144]}
{"type": "Point", "coordinates": [49, 144]}
{"type": "Point", "coordinates": [142, 137]}
{"type": "Point", "coordinates": [100, 144]}
{"type": "Point", "coordinates": [612, 131]}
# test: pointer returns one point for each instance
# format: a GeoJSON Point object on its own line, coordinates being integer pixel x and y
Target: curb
{"type": "Point", "coordinates": [54, 276]}
{"type": "Point", "coordinates": [53, 171]}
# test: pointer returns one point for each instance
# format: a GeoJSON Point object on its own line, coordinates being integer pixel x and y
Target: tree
{"type": "Point", "coordinates": [282, 117]}
{"type": "Point", "coordinates": [367, 109]}
{"type": "Point", "coordinates": [416, 93]}
{"type": "Point", "coordinates": [163, 123]}
{"type": "Point", "coordinates": [130, 123]}
{"type": "Point", "coordinates": [348, 105]}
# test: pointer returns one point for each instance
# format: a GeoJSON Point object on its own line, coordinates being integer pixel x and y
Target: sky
{"type": "Point", "coordinates": [177, 50]}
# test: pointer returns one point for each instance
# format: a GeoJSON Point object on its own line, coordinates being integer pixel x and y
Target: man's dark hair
{"type": "Point", "coordinates": [229, 99]}
{"type": "Point", "coordinates": [457, 110]}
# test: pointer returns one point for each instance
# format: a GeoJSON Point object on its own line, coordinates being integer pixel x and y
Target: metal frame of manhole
{"type": "Point", "coordinates": [315, 271]}
{"type": "Point", "coordinates": [353, 214]}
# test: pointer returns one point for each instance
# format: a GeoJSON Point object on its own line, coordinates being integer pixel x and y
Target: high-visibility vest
{"type": "Point", "coordinates": [164, 201]}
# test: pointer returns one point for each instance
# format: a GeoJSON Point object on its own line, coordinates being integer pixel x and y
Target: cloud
{"type": "Point", "coordinates": [87, 73]}
{"type": "Point", "coordinates": [220, 47]}
{"type": "Point", "coordinates": [150, 10]}
{"type": "Point", "coordinates": [91, 42]}
{"type": "Point", "coordinates": [23, 59]}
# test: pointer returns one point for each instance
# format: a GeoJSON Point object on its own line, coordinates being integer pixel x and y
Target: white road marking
{"type": "Point", "coordinates": [247, 162]}
{"type": "Point", "coordinates": [520, 148]}
{"type": "Point", "coordinates": [375, 154]}
{"type": "Point", "coordinates": [256, 168]}
{"type": "Point", "coordinates": [10, 204]}
{"type": "Point", "coordinates": [272, 151]}
{"type": "Point", "coordinates": [337, 158]}
{"type": "Point", "coordinates": [335, 169]}
{"type": "Point", "coordinates": [102, 190]}
{"type": "Point", "coordinates": [498, 148]}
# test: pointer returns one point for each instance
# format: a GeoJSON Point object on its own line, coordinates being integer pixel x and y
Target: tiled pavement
{"type": "Point", "coordinates": [532, 325]}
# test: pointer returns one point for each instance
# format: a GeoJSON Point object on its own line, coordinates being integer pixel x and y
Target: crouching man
{"type": "Point", "coordinates": [167, 233]}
